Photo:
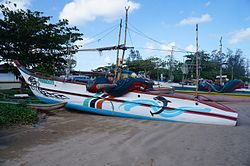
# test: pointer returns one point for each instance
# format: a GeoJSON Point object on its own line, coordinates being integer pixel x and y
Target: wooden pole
{"type": "Point", "coordinates": [125, 40]}
{"type": "Point", "coordinates": [117, 54]}
{"type": "Point", "coordinates": [171, 64]}
{"type": "Point", "coordinates": [197, 62]}
{"type": "Point", "coordinates": [221, 61]}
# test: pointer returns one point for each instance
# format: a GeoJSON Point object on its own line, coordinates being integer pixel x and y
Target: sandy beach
{"type": "Point", "coordinates": [74, 138]}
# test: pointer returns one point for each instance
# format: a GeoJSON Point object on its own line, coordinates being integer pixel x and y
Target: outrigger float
{"type": "Point", "coordinates": [130, 98]}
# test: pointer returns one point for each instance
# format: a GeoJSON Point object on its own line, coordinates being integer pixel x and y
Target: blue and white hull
{"type": "Point", "coordinates": [133, 104]}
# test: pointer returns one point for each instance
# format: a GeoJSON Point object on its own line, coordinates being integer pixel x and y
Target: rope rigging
{"type": "Point", "coordinates": [135, 30]}
{"type": "Point", "coordinates": [167, 50]}
{"type": "Point", "coordinates": [140, 33]}
{"type": "Point", "coordinates": [108, 30]}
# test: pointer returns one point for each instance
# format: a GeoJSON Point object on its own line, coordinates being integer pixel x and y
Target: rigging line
{"type": "Point", "coordinates": [157, 49]}
{"type": "Point", "coordinates": [116, 25]}
{"type": "Point", "coordinates": [114, 28]}
{"type": "Point", "coordinates": [150, 38]}
{"type": "Point", "coordinates": [156, 40]}
{"type": "Point", "coordinates": [130, 38]}
{"type": "Point", "coordinates": [144, 35]}
{"type": "Point", "coordinates": [184, 50]}
{"type": "Point", "coordinates": [108, 33]}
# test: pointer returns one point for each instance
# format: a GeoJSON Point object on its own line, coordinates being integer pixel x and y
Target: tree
{"type": "Point", "coordinates": [140, 65]}
{"type": "Point", "coordinates": [152, 66]}
{"type": "Point", "coordinates": [109, 68]}
{"type": "Point", "coordinates": [236, 65]}
{"type": "Point", "coordinates": [159, 68]}
{"type": "Point", "coordinates": [208, 66]}
{"type": "Point", "coordinates": [177, 71]}
{"type": "Point", "coordinates": [30, 38]}
{"type": "Point", "coordinates": [134, 55]}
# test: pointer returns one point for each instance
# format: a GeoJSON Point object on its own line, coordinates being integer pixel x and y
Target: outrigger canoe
{"type": "Point", "coordinates": [47, 107]}
{"type": "Point", "coordinates": [128, 98]}
{"type": "Point", "coordinates": [38, 106]}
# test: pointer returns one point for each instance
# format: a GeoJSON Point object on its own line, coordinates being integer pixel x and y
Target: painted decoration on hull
{"type": "Point", "coordinates": [35, 85]}
{"type": "Point", "coordinates": [97, 100]}
{"type": "Point", "coordinates": [157, 106]}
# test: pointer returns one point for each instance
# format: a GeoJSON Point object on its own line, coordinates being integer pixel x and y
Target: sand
{"type": "Point", "coordinates": [73, 138]}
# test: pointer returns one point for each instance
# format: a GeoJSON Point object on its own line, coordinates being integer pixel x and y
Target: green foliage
{"type": "Point", "coordinates": [177, 72]}
{"type": "Point", "coordinates": [5, 93]}
{"type": "Point", "coordinates": [139, 65]}
{"type": "Point", "coordinates": [11, 114]}
{"type": "Point", "coordinates": [209, 67]}
{"type": "Point", "coordinates": [30, 38]}
{"type": "Point", "coordinates": [134, 55]}
{"type": "Point", "coordinates": [16, 114]}
{"type": "Point", "coordinates": [105, 69]}
{"type": "Point", "coordinates": [235, 67]}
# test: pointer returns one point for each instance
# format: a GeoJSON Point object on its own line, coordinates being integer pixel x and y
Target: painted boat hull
{"type": "Point", "coordinates": [134, 104]}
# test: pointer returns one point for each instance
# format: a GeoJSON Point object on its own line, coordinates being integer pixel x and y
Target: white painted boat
{"type": "Point", "coordinates": [133, 104]}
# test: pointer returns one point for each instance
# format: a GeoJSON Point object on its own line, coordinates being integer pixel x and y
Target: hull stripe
{"type": "Point", "coordinates": [100, 102]}
{"type": "Point", "coordinates": [213, 115]}
{"type": "Point", "coordinates": [92, 102]}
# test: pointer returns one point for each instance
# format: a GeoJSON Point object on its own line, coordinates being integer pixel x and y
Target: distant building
{"type": "Point", "coordinates": [8, 80]}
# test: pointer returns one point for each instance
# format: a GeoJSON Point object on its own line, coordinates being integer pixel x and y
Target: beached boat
{"type": "Point", "coordinates": [127, 98]}
{"type": "Point", "coordinates": [46, 107]}
{"type": "Point", "coordinates": [38, 106]}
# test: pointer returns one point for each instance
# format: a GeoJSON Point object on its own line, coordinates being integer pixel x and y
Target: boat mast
{"type": "Point", "coordinates": [117, 55]}
{"type": "Point", "coordinates": [171, 65]}
{"type": "Point", "coordinates": [197, 62]}
{"type": "Point", "coordinates": [125, 40]}
{"type": "Point", "coordinates": [221, 61]}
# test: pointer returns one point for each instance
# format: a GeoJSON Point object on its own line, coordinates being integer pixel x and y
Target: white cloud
{"type": "Point", "coordinates": [196, 20]}
{"type": "Point", "coordinates": [240, 36]}
{"type": "Point", "coordinates": [208, 3]}
{"type": "Point", "coordinates": [150, 47]}
{"type": "Point", "coordinates": [20, 4]}
{"type": "Point", "coordinates": [166, 48]}
{"type": "Point", "coordinates": [107, 60]}
{"type": "Point", "coordinates": [82, 11]}
{"type": "Point", "coordinates": [190, 48]}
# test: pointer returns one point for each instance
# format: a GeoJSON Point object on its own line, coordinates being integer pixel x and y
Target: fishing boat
{"type": "Point", "coordinates": [133, 102]}
{"type": "Point", "coordinates": [126, 97]}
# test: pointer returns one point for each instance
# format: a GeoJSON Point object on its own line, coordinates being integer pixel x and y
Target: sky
{"type": "Point", "coordinates": [154, 27]}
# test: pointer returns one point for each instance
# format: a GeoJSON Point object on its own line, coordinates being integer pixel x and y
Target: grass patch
{"type": "Point", "coordinates": [5, 93]}
{"type": "Point", "coordinates": [11, 114]}
{"type": "Point", "coordinates": [17, 114]}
